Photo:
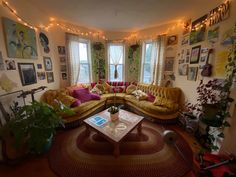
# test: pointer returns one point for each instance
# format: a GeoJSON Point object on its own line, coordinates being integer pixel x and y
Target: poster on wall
{"type": "Point", "coordinates": [20, 40]}
{"type": "Point", "coordinates": [220, 62]}
{"type": "Point", "coordinates": [44, 42]}
{"type": "Point", "coordinates": [198, 35]}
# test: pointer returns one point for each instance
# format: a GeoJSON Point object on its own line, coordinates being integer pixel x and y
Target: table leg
{"type": "Point", "coordinates": [116, 150]}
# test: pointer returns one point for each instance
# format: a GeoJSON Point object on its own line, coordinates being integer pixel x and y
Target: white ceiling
{"type": "Point", "coordinates": [122, 15]}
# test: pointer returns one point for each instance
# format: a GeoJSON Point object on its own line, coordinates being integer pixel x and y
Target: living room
{"type": "Point", "coordinates": [117, 88]}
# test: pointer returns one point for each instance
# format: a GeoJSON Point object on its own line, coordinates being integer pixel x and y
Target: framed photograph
{"type": "Point", "coordinates": [183, 69]}
{"type": "Point", "coordinates": [50, 77]}
{"type": "Point", "coordinates": [47, 63]}
{"type": "Point", "coordinates": [61, 50]}
{"type": "Point", "coordinates": [198, 35]}
{"type": "Point", "coordinates": [27, 73]}
{"type": "Point", "coordinates": [169, 64]}
{"type": "Point", "coordinates": [185, 40]}
{"type": "Point", "coordinates": [64, 76]}
{"type": "Point", "coordinates": [41, 75]}
{"type": "Point", "coordinates": [10, 64]}
{"type": "Point", "coordinates": [172, 40]}
{"type": "Point", "coordinates": [20, 40]}
{"type": "Point", "coordinates": [39, 66]}
{"type": "Point", "coordinates": [195, 54]}
{"type": "Point", "coordinates": [63, 68]}
{"type": "Point", "coordinates": [62, 59]}
{"type": "Point", "coordinates": [192, 73]}
{"type": "Point", "coordinates": [213, 34]}
{"type": "Point", "coordinates": [44, 42]}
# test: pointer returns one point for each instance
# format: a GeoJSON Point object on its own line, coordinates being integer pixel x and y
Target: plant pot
{"type": "Point", "coordinates": [48, 145]}
{"type": "Point", "coordinates": [209, 114]}
{"type": "Point", "coordinates": [114, 117]}
{"type": "Point", "coordinates": [217, 142]}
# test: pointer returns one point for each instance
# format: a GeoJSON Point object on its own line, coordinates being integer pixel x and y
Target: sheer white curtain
{"type": "Point", "coordinates": [73, 58]}
{"type": "Point", "coordinates": [153, 60]}
{"type": "Point", "coordinates": [116, 55]}
{"type": "Point", "coordinates": [158, 77]}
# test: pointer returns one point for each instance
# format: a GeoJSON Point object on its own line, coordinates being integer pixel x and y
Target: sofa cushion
{"type": "Point", "coordinates": [159, 101]}
{"type": "Point", "coordinates": [110, 96]}
{"type": "Point", "coordinates": [87, 106]}
{"type": "Point", "coordinates": [130, 89]}
{"type": "Point", "coordinates": [148, 106]}
{"type": "Point", "coordinates": [150, 97]}
{"type": "Point", "coordinates": [66, 99]}
{"type": "Point", "coordinates": [117, 89]}
{"type": "Point", "coordinates": [106, 86]}
{"type": "Point", "coordinates": [84, 95]}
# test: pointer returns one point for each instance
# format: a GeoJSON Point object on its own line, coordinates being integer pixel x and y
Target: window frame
{"type": "Point", "coordinates": [143, 62]}
{"type": "Point", "coordinates": [87, 42]}
{"type": "Point", "coordinates": [123, 61]}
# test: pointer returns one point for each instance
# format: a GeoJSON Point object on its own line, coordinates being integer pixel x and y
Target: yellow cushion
{"type": "Point", "coordinates": [66, 99]}
{"type": "Point", "coordinates": [106, 86]}
{"type": "Point", "coordinates": [159, 101]}
{"type": "Point", "coordinates": [130, 89]}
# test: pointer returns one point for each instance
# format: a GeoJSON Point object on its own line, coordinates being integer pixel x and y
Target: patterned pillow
{"type": "Point", "coordinates": [106, 86]}
{"type": "Point", "coordinates": [117, 89]}
{"type": "Point", "coordinates": [66, 99]}
{"type": "Point", "coordinates": [96, 91]}
{"type": "Point", "coordinates": [140, 95]}
{"type": "Point", "coordinates": [130, 89]}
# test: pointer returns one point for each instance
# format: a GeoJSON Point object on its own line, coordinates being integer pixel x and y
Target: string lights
{"type": "Point", "coordinates": [212, 17]}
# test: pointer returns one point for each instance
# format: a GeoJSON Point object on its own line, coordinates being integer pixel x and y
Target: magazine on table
{"type": "Point", "coordinates": [98, 120]}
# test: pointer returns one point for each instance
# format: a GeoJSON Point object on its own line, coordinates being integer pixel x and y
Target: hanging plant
{"type": "Point", "coordinates": [98, 46]}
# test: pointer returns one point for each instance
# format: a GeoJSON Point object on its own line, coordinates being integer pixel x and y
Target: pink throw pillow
{"type": "Point", "coordinates": [84, 95]}
{"type": "Point", "coordinates": [151, 97]}
{"type": "Point", "coordinates": [76, 103]}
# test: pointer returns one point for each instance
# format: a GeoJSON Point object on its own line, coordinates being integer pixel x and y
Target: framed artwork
{"type": "Point", "coordinates": [20, 40]}
{"type": "Point", "coordinates": [192, 73]}
{"type": "Point", "coordinates": [50, 77]}
{"type": "Point", "coordinates": [47, 63]}
{"type": "Point", "coordinates": [61, 50]}
{"type": "Point", "coordinates": [41, 75]}
{"type": "Point", "coordinates": [169, 64]}
{"type": "Point", "coordinates": [44, 42]}
{"type": "Point", "coordinates": [185, 40]}
{"type": "Point", "coordinates": [195, 54]}
{"type": "Point", "coordinates": [63, 68]}
{"type": "Point", "coordinates": [27, 73]}
{"type": "Point", "coordinates": [172, 40]}
{"type": "Point", "coordinates": [198, 35]}
{"type": "Point", "coordinates": [10, 64]}
{"type": "Point", "coordinates": [183, 69]}
{"type": "Point", "coordinates": [64, 76]}
{"type": "Point", "coordinates": [39, 66]}
{"type": "Point", "coordinates": [213, 34]}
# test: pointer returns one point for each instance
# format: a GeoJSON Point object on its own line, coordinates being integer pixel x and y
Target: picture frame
{"type": "Point", "coordinates": [20, 40]}
{"type": "Point", "coordinates": [169, 64]}
{"type": "Point", "coordinates": [27, 73]}
{"type": "Point", "coordinates": [192, 73]}
{"type": "Point", "coordinates": [61, 50]}
{"type": "Point", "coordinates": [183, 69]}
{"type": "Point", "coordinates": [172, 40]}
{"type": "Point", "coordinates": [197, 35]}
{"type": "Point", "coordinates": [47, 63]}
{"type": "Point", "coordinates": [195, 54]}
{"type": "Point", "coordinates": [50, 77]}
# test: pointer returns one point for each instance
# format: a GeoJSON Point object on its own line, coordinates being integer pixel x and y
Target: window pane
{"type": "Point", "coordinates": [112, 71]}
{"type": "Point", "coordinates": [84, 73]}
{"type": "Point", "coordinates": [147, 77]}
{"type": "Point", "coordinates": [116, 54]}
{"type": "Point", "coordinates": [83, 55]}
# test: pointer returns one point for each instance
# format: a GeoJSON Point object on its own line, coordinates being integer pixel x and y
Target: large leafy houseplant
{"type": "Point", "coordinates": [34, 125]}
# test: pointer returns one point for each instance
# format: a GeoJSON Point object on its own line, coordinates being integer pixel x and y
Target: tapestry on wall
{"type": "Point", "coordinates": [98, 61]}
{"type": "Point", "coordinates": [20, 40]}
{"type": "Point", "coordinates": [134, 58]}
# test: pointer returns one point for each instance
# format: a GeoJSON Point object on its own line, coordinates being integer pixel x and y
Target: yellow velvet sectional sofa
{"type": "Point", "coordinates": [164, 109]}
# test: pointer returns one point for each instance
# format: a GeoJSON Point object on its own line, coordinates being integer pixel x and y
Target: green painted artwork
{"type": "Point", "coordinates": [133, 64]}
{"type": "Point", "coordinates": [20, 40]}
{"type": "Point", "coordinates": [98, 61]}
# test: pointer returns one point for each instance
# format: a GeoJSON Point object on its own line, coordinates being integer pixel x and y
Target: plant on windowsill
{"type": "Point", "coordinates": [33, 126]}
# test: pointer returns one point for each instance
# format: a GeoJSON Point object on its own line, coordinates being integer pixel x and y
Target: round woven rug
{"type": "Point", "coordinates": [73, 154]}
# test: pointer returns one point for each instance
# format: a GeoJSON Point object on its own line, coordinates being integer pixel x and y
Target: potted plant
{"type": "Point", "coordinates": [114, 113]}
{"type": "Point", "coordinates": [34, 126]}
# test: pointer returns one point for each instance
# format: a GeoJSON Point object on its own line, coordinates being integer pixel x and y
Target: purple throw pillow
{"type": "Point", "coordinates": [84, 95]}
{"type": "Point", "coordinates": [151, 97]}
{"type": "Point", "coordinates": [76, 103]}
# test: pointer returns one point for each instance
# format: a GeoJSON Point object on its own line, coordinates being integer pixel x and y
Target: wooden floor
{"type": "Point", "coordinates": [39, 166]}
